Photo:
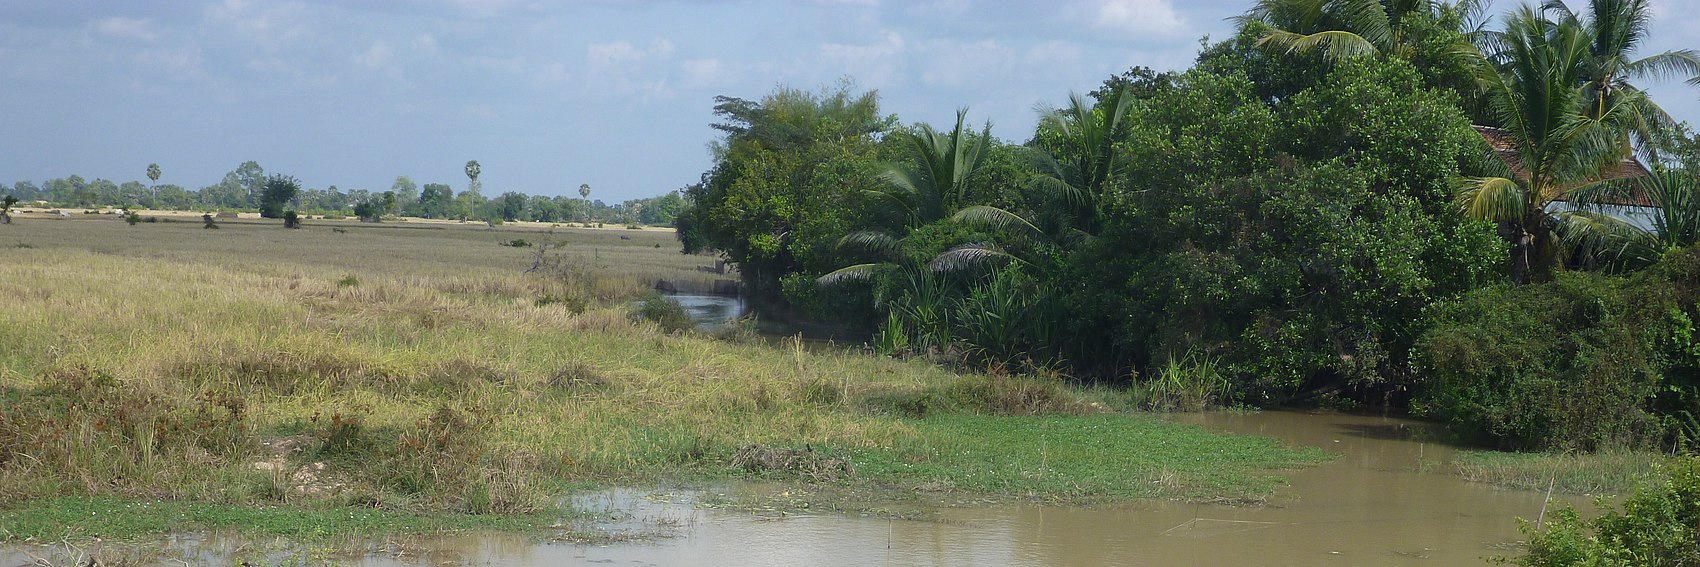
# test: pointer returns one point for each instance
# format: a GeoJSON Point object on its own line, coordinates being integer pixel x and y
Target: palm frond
{"type": "Point", "coordinates": [1335, 45]}
{"type": "Point", "coordinates": [999, 220]}
{"type": "Point", "coordinates": [871, 241]}
{"type": "Point", "coordinates": [1491, 199]}
{"type": "Point", "coordinates": [855, 273]}
{"type": "Point", "coordinates": [971, 257]}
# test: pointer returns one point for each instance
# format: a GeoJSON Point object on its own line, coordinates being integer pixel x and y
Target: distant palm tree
{"type": "Point", "coordinates": [153, 178]}
{"type": "Point", "coordinates": [472, 172]}
{"type": "Point", "coordinates": [584, 195]}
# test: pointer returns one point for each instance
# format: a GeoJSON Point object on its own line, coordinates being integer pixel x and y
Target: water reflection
{"type": "Point", "coordinates": [711, 312]}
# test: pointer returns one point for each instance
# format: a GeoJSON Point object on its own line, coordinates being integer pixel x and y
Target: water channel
{"type": "Point", "coordinates": [1388, 499]}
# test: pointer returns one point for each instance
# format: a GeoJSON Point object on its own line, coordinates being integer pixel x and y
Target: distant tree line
{"type": "Point", "coordinates": [245, 188]}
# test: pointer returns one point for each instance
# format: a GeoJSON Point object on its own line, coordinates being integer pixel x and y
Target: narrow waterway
{"type": "Point", "coordinates": [1390, 498]}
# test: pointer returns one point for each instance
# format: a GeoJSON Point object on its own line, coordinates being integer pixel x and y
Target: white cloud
{"type": "Point", "coordinates": [878, 63]}
{"type": "Point", "coordinates": [703, 73]}
{"type": "Point", "coordinates": [270, 24]}
{"type": "Point", "coordinates": [377, 56]}
{"type": "Point", "coordinates": [961, 64]}
{"type": "Point", "coordinates": [1135, 16]}
{"type": "Point", "coordinates": [621, 67]}
{"type": "Point", "coordinates": [132, 29]}
{"type": "Point", "coordinates": [178, 62]}
{"type": "Point", "coordinates": [425, 43]}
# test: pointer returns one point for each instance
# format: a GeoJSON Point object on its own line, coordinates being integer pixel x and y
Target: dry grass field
{"type": "Point", "coordinates": [417, 368]}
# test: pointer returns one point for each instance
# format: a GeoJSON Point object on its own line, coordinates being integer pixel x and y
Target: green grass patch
{"type": "Point", "coordinates": [1568, 473]}
{"type": "Point", "coordinates": [80, 517]}
{"type": "Point", "coordinates": [1083, 457]}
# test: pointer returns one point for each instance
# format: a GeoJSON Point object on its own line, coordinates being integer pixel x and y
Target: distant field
{"type": "Point", "coordinates": [413, 247]}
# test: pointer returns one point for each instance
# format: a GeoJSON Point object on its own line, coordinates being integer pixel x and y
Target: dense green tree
{"type": "Point", "coordinates": [279, 190]}
{"type": "Point", "coordinates": [436, 201]}
{"type": "Point", "coordinates": [510, 206]}
{"type": "Point", "coordinates": [789, 179]}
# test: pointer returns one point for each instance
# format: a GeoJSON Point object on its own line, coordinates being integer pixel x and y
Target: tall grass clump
{"type": "Point", "coordinates": [1186, 383]}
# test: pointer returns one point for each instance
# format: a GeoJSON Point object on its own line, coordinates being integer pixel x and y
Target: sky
{"type": "Point", "coordinates": [617, 94]}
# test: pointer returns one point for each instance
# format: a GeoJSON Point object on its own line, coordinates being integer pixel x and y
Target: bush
{"type": "Point", "coordinates": [1659, 525]}
{"type": "Point", "coordinates": [664, 312]}
{"type": "Point", "coordinates": [291, 220]}
{"type": "Point", "coordinates": [1587, 361]}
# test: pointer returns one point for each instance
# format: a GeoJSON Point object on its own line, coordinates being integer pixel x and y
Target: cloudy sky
{"type": "Point", "coordinates": [546, 95]}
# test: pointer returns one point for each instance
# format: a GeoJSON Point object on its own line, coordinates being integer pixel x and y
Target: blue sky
{"type": "Point", "coordinates": [546, 95]}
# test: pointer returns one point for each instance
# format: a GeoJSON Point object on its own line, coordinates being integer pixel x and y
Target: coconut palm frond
{"type": "Point", "coordinates": [1335, 45]}
{"type": "Point", "coordinates": [1605, 237]}
{"type": "Point", "coordinates": [971, 257]}
{"type": "Point", "coordinates": [871, 241]}
{"type": "Point", "coordinates": [999, 220]}
{"type": "Point", "coordinates": [856, 273]}
{"type": "Point", "coordinates": [1490, 199]}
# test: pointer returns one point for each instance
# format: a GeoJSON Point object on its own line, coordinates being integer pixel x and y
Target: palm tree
{"type": "Point", "coordinates": [936, 183]}
{"type": "Point", "coordinates": [1670, 221]}
{"type": "Point", "coordinates": [1553, 142]}
{"type": "Point", "coordinates": [1347, 28]}
{"type": "Point", "coordinates": [933, 186]}
{"type": "Point", "coordinates": [153, 178]}
{"type": "Point", "coordinates": [584, 195]}
{"type": "Point", "coordinates": [1615, 28]}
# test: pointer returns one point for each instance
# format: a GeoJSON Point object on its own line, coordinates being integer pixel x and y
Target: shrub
{"type": "Point", "coordinates": [291, 220]}
{"type": "Point", "coordinates": [1659, 525]}
{"type": "Point", "coordinates": [132, 218]}
{"type": "Point", "coordinates": [665, 312]}
{"type": "Point", "coordinates": [1584, 362]}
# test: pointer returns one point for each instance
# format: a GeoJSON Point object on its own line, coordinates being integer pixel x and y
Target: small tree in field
{"type": "Point", "coordinates": [291, 220]}
{"type": "Point", "coordinates": [278, 190]}
{"type": "Point", "coordinates": [6, 209]}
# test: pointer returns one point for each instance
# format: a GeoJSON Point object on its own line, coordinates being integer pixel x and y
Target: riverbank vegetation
{"type": "Point", "coordinates": [1407, 205]}
{"type": "Point", "coordinates": [424, 376]}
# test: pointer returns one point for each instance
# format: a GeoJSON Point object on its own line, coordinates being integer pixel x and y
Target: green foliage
{"type": "Point", "coordinates": [1302, 268]}
{"type": "Point", "coordinates": [665, 312]}
{"type": "Point", "coordinates": [1586, 361]}
{"type": "Point", "coordinates": [1658, 526]}
{"type": "Point", "coordinates": [291, 219]}
{"type": "Point", "coordinates": [131, 218]}
{"type": "Point", "coordinates": [279, 189]}
{"type": "Point", "coordinates": [788, 181]}
{"type": "Point", "coordinates": [1187, 383]}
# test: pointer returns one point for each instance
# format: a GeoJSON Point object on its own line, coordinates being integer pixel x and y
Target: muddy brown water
{"type": "Point", "coordinates": [1389, 498]}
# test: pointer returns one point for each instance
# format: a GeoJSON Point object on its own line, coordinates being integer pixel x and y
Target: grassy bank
{"type": "Point", "coordinates": [420, 375]}
{"type": "Point", "coordinates": [1611, 472]}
